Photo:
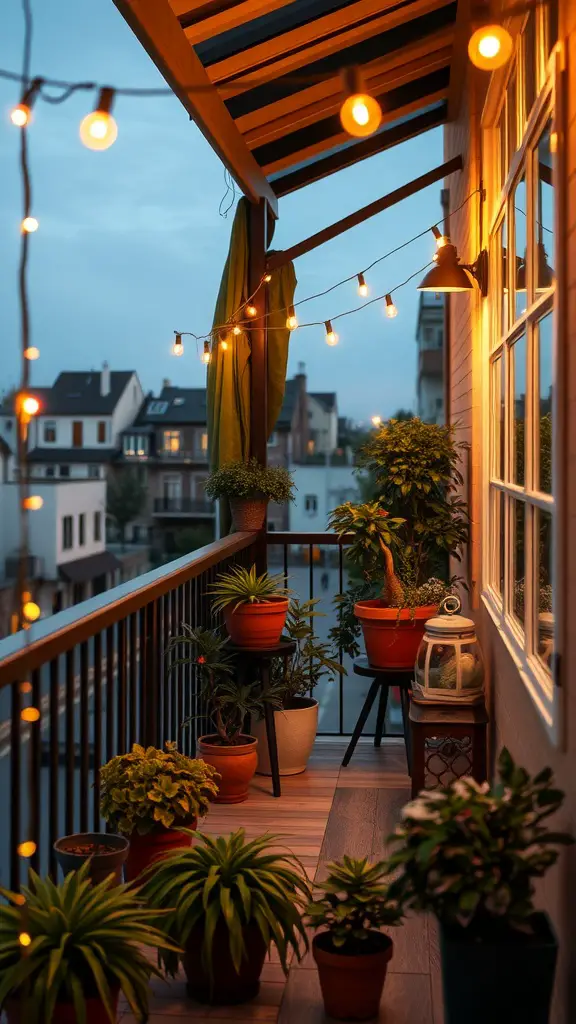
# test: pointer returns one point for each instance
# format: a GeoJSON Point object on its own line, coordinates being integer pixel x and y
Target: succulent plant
{"type": "Point", "coordinates": [355, 902]}
{"type": "Point", "coordinates": [243, 586]}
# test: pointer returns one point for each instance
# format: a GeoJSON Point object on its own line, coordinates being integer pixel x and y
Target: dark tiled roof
{"type": "Point", "coordinates": [72, 455]}
{"type": "Point", "coordinates": [83, 569]}
{"type": "Point", "coordinates": [326, 398]}
{"type": "Point", "coordinates": [78, 393]}
{"type": "Point", "coordinates": [179, 405]}
{"type": "Point", "coordinates": [289, 404]}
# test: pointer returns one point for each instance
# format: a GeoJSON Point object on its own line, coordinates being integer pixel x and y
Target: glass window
{"type": "Point", "coordinates": [518, 370]}
{"type": "Point", "coordinates": [545, 402]}
{"type": "Point", "coordinates": [503, 284]}
{"type": "Point", "coordinates": [94, 472]}
{"type": "Point", "coordinates": [520, 247]}
{"type": "Point", "coordinates": [172, 441]}
{"type": "Point", "coordinates": [311, 504]}
{"type": "Point", "coordinates": [544, 630]}
{"type": "Point", "coordinates": [498, 417]}
{"type": "Point", "coordinates": [518, 581]}
{"type": "Point", "coordinates": [204, 442]}
{"type": "Point", "coordinates": [67, 533]}
{"type": "Point", "coordinates": [97, 526]}
{"type": "Point", "coordinates": [50, 432]}
{"type": "Point", "coordinates": [81, 529]}
{"type": "Point", "coordinates": [102, 431]}
{"type": "Point", "coordinates": [530, 63]}
{"type": "Point", "coordinates": [511, 119]}
{"type": "Point", "coordinates": [64, 471]}
{"type": "Point", "coordinates": [544, 215]}
{"type": "Point", "coordinates": [501, 135]}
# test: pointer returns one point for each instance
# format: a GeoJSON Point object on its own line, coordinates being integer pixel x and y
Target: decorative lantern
{"type": "Point", "coordinates": [449, 666]}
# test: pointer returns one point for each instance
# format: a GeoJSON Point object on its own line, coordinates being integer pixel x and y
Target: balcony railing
{"type": "Point", "coordinates": [183, 507]}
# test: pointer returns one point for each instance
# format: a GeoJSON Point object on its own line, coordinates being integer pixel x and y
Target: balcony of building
{"type": "Point", "coordinates": [184, 508]}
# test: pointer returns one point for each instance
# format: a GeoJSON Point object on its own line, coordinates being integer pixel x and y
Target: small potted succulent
{"type": "Point", "coordinates": [151, 796]}
{"type": "Point", "coordinates": [105, 852]}
{"type": "Point", "coordinates": [296, 720]}
{"type": "Point", "coordinates": [350, 949]}
{"type": "Point", "coordinates": [249, 487]}
{"type": "Point", "coordinates": [230, 751]}
{"type": "Point", "coordinates": [401, 542]}
{"type": "Point", "coordinates": [254, 607]}
{"type": "Point", "coordinates": [86, 946]}
{"type": "Point", "coordinates": [227, 901]}
{"type": "Point", "coordinates": [470, 854]}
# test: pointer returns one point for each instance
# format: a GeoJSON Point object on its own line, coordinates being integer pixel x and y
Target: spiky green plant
{"type": "Point", "coordinates": [250, 480]}
{"type": "Point", "coordinates": [148, 788]}
{"type": "Point", "coordinates": [235, 883]}
{"type": "Point", "coordinates": [86, 943]}
{"type": "Point", "coordinates": [354, 903]}
{"type": "Point", "coordinates": [243, 586]}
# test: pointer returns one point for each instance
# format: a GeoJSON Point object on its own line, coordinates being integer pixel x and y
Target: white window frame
{"type": "Point", "coordinates": [541, 684]}
{"type": "Point", "coordinates": [171, 435]}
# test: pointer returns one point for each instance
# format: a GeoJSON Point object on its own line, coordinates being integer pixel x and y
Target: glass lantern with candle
{"type": "Point", "coordinates": [449, 667]}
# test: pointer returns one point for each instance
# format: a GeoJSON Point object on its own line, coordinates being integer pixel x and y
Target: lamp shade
{"type": "Point", "coordinates": [446, 275]}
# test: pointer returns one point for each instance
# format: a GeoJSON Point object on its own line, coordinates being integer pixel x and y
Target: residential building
{"type": "Point", "coordinates": [322, 422]}
{"type": "Point", "coordinates": [430, 366]}
{"type": "Point", "coordinates": [289, 441]}
{"type": "Point", "coordinates": [319, 489]}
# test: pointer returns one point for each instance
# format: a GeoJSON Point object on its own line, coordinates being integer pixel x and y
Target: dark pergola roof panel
{"type": "Point", "coordinates": [267, 76]}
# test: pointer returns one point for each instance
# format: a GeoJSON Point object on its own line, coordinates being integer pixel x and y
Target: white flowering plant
{"type": "Point", "coordinates": [470, 853]}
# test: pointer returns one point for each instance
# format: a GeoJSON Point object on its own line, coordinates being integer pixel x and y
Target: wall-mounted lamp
{"type": "Point", "coordinates": [449, 275]}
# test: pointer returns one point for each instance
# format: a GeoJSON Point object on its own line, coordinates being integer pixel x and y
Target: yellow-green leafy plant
{"type": "Point", "coordinates": [151, 788]}
{"type": "Point", "coordinates": [243, 586]}
{"type": "Point", "coordinates": [250, 480]}
{"type": "Point", "coordinates": [86, 943]}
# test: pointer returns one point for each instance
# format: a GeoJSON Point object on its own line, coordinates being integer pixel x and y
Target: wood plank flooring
{"type": "Point", "coordinates": [322, 814]}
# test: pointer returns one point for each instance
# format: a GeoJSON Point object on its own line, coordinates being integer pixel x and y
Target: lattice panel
{"type": "Point", "coordinates": [445, 759]}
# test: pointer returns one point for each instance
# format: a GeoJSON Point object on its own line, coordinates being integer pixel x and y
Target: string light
{"type": "Point", "coordinates": [391, 310]}
{"type": "Point", "coordinates": [21, 114]}
{"type": "Point", "coordinates": [490, 47]}
{"type": "Point", "coordinates": [206, 353]}
{"type": "Point", "coordinates": [360, 113]}
{"type": "Point", "coordinates": [31, 611]}
{"type": "Point", "coordinates": [24, 938]}
{"type": "Point", "coordinates": [30, 405]}
{"type": "Point", "coordinates": [291, 319]}
{"type": "Point", "coordinates": [224, 344]}
{"type": "Point", "coordinates": [331, 336]}
{"type": "Point", "coordinates": [32, 352]}
{"type": "Point", "coordinates": [27, 849]}
{"type": "Point", "coordinates": [376, 421]}
{"type": "Point", "coordinates": [26, 687]}
{"type": "Point", "coordinates": [236, 330]}
{"type": "Point", "coordinates": [33, 503]}
{"type": "Point", "coordinates": [267, 278]}
{"type": "Point", "coordinates": [29, 225]}
{"type": "Point", "coordinates": [362, 286]}
{"type": "Point", "coordinates": [251, 310]}
{"type": "Point", "coordinates": [178, 346]}
{"type": "Point", "coordinates": [30, 715]}
{"type": "Point", "coordinates": [99, 130]}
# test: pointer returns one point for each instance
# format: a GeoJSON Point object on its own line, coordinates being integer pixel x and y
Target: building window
{"type": "Point", "coordinates": [311, 504]}
{"type": "Point", "coordinates": [50, 471]}
{"type": "Point", "coordinates": [204, 442]}
{"type": "Point", "coordinates": [77, 434]}
{"type": "Point", "coordinates": [94, 472]}
{"type": "Point", "coordinates": [273, 440]}
{"type": "Point", "coordinates": [311, 447]}
{"type": "Point", "coordinates": [64, 471]}
{"type": "Point", "coordinates": [97, 526]}
{"type": "Point", "coordinates": [521, 506]}
{"type": "Point", "coordinates": [67, 533]}
{"type": "Point", "coordinates": [81, 529]}
{"type": "Point", "coordinates": [50, 432]}
{"type": "Point", "coordinates": [156, 408]}
{"type": "Point", "coordinates": [171, 442]}
{"type": "Point", "coordinates": [102, 431]}
{"type": "Point", "coordinates": [172, 486]}
{"type": "Point", "coordinates": [141, 445]}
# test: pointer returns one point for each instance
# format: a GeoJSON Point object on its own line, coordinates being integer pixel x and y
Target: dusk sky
{"type": "Point", "coordinates": [131, 244]}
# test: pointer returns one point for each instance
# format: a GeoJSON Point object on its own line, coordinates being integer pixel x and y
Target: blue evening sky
{"type": "Point", "coordinates": [131, 244]}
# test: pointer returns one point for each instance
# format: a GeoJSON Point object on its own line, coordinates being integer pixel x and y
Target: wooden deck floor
{"type": "Point", "coordinates": [322, 814]}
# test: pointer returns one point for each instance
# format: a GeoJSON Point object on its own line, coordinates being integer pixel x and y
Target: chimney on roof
{"type": "Point", "coordinates": [166, 383]}
{"type": "Point", "coordinates": [105, 380]}
{"type": "Point", "coordinates": [301, 369]}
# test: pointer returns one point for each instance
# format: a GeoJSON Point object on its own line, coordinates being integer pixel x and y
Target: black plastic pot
{"type": "Point", "coordinates": [501, 981]}
{"type": "Point", "coordinates": [102, 864]}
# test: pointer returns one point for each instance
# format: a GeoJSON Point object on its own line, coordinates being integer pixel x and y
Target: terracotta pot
{"type": "Point", "coordinates": [237, 766]}
{"type": "Point", "coordinates": [392, 636]}
{"type": "Point", "coordinates": [296, 727]}
{"type": "Point", "coordinates": [227, 987]}
{"type": "Point", "coordinates": [101, 864]}
{"type": "Point", "coordinates": [144, 850]}
{"type": "Point", "coordinates": [248, 513]}
{"type": "Point", "coordinates": [256, 625]}
{"type": "Point", "coordinates": [64, 1012]}
{"type": "Point", "coordinates": [352, 985]}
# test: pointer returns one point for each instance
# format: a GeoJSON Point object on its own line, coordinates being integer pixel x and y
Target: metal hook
{"type": "Point", "coordinates": [451, 604]}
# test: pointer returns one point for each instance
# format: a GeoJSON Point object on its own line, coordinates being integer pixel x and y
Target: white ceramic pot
{"type": "Point", "coordinates": [296, 728]}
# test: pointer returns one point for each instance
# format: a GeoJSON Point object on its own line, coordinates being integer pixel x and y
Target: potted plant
{"type": "Point", "coordinates": [230, 751]}
{"type": "Point", "coordinates": [401, 543]}
{"type": "Point", "coordinates": [85, 948]}
{"type": "Point", "coordinates": [351, 951]}
{"type": "Point", "coordinates": [470, 854]}
{"type": "Point", "coordinates": [104, 851]}
{"type": "Point", "coordinates": [296, 720]}
{"type": "Point", "coordinates": [228, 900]}
{"type": "Point", "coordinates": [150, 796]}
{"type": "Point", "coordinates": [254, 607]}
{"type": "Point", "coordinates": [249, 487]}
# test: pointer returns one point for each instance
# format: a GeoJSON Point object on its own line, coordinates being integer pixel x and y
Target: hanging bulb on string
{"type": "Point", "coordinates": [236, 330]}
{"type": "Point", "coordinates": [251, 310]}
{"type": "Point", "coordinates": [206, 353]}
{"type": "Point", "coordinates": [331, 336]}
{"type": "Point", "coordinates": [362, 286]}
{"type": "Point", "coordinates": [376, 421]}
{"type": "Point", "coordinates": [24, 939]}
{"type": "Point", "coordinates": [391, 310]}
{"type": "Point", "coordinates": [490, 47]}
{"type": "Point", "coordinates": [360, 113]}
{"type": "Point", "coordinates": [30, 405]}
{"type": "Point", "coordinates": [26, 849]}
{"type": "Point", "coordinates": [98, 130]}
{"type": "Point", "coordinates": [33, 503]}
{"type": "Point", "coordinates": [291, 319]}
{"type": "Point", "coordinates": [30, 715]}
{"type": "Point", "coordinates": [223, 341]}
{"type": "Point", "coordinates": [441, 240]}
{"type": "Point", "coordinates": [31, 611]}
{"type": "Point", "coordinates": [21, 114]}
{"type": "Point", "coordinates": [178, 346]}
{"type": "Point", "coordinates": [29, 225]}
{"type": "Point", "coordinates": [267, 278]}
{"type": "Point", "coordinates": [31, 352]}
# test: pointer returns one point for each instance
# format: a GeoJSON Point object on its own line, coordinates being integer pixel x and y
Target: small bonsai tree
{"type": "Point", "coordinates": [250, 480]}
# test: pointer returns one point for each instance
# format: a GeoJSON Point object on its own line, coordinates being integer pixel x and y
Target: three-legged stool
{"type": "Point", "coordinates": [382, 680]}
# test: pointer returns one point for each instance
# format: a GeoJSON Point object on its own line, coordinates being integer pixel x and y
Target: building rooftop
{"type": "Point", "coordinates": [326, 398]}
{"type": "Point", "coordinates": [78, 393]}
{"type": "Point", "coordinates": [173, 405]}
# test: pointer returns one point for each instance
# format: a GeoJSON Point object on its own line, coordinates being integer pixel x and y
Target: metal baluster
{"type": "Point", "coordinates": [311, 596]}
{"type": "Point", "coordinates": [180, 669]}
{"type": "Point", "coordinates": [187, 671]}
{"type": "Point", "coordinates": [121, 695]}
{"type": "Point", "coordinates": [84, 738]}
{"type": "Point", "coordinates": [110, 751]}
{"type": "Point", "coordinates": [340, 651]}
{"type": "Point", "coordinates": [97, 728]}
{"type": "Point", "coordinates": [173, 686]}
{"type": "Point", "coordinates": [285, 550]}
{"type": "Point", "coordinates": [15, 784]}
{"type": "Point", "coordinates": [143, 668]}
{"type": "Point", "coordinates": [34, 739]}
{"type": "Point", "coordinates": [133, 678]}
{"type": "Point", "coordinates": [54, 764]}
{"type": "Point", "coordinates": [70, 751]}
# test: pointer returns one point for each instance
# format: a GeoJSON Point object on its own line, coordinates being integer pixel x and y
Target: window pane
{"type": "Point", "coordinates": [497, 500]}
{"type": "Point", "coordinates": [518, 368]}
{"type": "Point", "coordinates": [518, 581]}
{"type": "Point", "coordinates": [498, 417]}
{"type": "Point", "coordinates": [502, 234]}
{"type": "Point", "coordinates": [529, 63]}
{"type": "Point", "coordinates": [544, 441]}
{"type": "Point", "coordinates": [501, 535]}
{"type": "Point", "coordinates": [544, 217]}
{"type": "Point", "coordinates": [511, 120]}
{"type": "Point", "coordinates": [503, 163]}
{"type": "Point", "coordinates": [520, 246]}
{"type": "Point", "coordinates": [544, 594]}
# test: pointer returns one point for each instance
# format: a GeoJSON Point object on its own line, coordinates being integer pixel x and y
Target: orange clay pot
{"type": "Point", "coordinates": [64, 1013]}
{"type": "Point", "coordinates": [256, 625]}
{"type": "Point", "coordinates": [236, 764]}
{"type": "Point", "coordinates": [392, 636]}
{"type": "Point", "coordinates": [144, 850]}
{"type": "Point", "coordinates": [352, 985]}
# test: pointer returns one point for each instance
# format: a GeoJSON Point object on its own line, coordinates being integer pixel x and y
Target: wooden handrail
{"type": "Point", "coordinates": [51, 637]}
{"type": "Point", "coordinates": [308, 538]}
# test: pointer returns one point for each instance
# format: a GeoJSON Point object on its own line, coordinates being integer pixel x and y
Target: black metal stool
{"type": "Point", "coordinates": [259, 660]}
{"type": "Point", "coordinates": [382, 680]}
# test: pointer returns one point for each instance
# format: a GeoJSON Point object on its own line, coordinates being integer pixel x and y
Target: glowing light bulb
{"type": "Point", "coordinates": [206, 353]}
{"type": "Point", "coordinates": [391, 310]}
{"type": "Point", "coordinates": [26, 687]}
{"type": "Point", "coordinates": [33, 503]}
{"type": "Point", "coordinates": [21, 115]}
{"type": "Point", "coordinates": [30, 405]}
{"type": "Point", "coordinates": [236, 330]}
{"type": "Point", "coordinates": [490, 47]}
{"type": "Point", "coordinates": [27, 849]}
{"type": "Point", "coordinates": [31, 611]}
{"type": "Point", "coordinates": [24, 939]}
{"type": "Point", "coordinates": [251, 310]}
{"type": "Point", "coordinates": [19, 900]}
{"type": "Point", "coordinates": [224, 345]}
{"type": "Point", "coordinates": [29, 225]}
{"type": "Point", "coordinates": [376, 421]}
{"type": "Point", "coordinates": [178, 346]}
{"type": "Point", "coordinates": [441, 241]}
{"type": "Point", "coordinates": [267, 278]}
{"type": "Point", "coordinates": [31, 352]}
{"type": "Point", "coordinates": [362, 286]}
{"type": "Point", "coordinates": [30, 715]}
{"type": "Point", "coordinates": [291, 319]}
{"type": "Point", "coordinates": [98, 130]}
{"type": "Point", "coordinates": [360, 113]}
{"type": "Point", "coordinates": [331, 336]}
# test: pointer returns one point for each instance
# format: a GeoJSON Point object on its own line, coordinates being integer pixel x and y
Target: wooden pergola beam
{"type": "Point", "coordinates": [158, 29]}
{"type": "Point", "coordinates": [278, 259]}
{"type": "Point", "coordinates": [459, 63]}
{"type": "Point", "coordinates": [210, 25]}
